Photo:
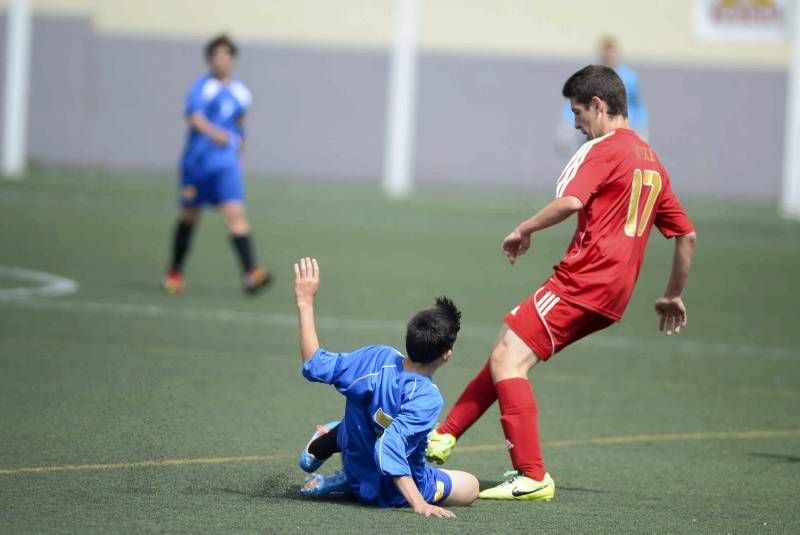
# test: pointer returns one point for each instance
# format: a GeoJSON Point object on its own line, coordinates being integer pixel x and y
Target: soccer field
{"type": "Point", "coordinates": [123, 409]}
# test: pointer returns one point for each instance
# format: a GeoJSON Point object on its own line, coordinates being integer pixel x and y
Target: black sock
{"type": "Point", "coordinates": [180, 244]}
{"type": "Point", "coordinates": [325, 445]}
{"type": "Point", "coordinates": [245, 252]}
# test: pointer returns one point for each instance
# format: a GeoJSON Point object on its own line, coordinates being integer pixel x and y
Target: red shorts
{"type": "Point", "coordinates": [548, 324]}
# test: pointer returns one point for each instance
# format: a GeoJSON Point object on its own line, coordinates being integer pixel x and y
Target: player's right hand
{"type": "Point", "coordinates": [515, 244]}
{"type": "Point", "coordinates": [427, 509]}
{"type": "Point", "coordinates": [672, 314]}
{"type": "Point", "coordinates": [220, 137]}
{"type": "Point", "coordinates": [306, 280]}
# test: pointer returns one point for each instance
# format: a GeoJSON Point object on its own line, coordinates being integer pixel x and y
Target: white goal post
{"type": "Point", "coordinates": [15, 90]}
{"type": "Point", "coordinates": [790, 197]}
{"type": "Point", "coordinates": [398, 163]}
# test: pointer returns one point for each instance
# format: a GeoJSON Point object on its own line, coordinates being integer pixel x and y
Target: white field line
{"type": "Point", "coordinates": [279, 319]}
{"type": "Point", "coordinates": [46, 284]}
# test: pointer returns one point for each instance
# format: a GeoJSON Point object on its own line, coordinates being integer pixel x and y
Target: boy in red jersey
{"type": "Point", "coordinates": [618, 187]}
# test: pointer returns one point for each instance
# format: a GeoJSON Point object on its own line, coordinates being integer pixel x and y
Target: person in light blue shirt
{"type": "Point", "coordinates": [211, 174]}
{"type": "Point", "coordinates": [391, 406]}
{"type": "Point", "coordinates": [568, 140]}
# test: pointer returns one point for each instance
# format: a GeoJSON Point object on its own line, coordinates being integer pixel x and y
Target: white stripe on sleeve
{"type": "Point", "coordinates": [575, 164]}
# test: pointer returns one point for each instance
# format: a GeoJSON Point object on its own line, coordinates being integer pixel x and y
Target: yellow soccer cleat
{"type": "Point", "coordinates": [440, 447]}
{"type": "Point", "coordinates": [521, 487]}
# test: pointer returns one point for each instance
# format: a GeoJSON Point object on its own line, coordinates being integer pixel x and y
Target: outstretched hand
{"type": "Point", "coordinates": [427, 509]}
{"type": "Point", "coordinates": [672, 314]}
{"type": "Point", "coordinates": [306, 280]}
{"type": "Point", "coordinates": [515, 244]}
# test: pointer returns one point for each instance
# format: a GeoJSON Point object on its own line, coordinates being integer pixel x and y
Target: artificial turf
{"type": "Point", "coordinates": [148, 412]}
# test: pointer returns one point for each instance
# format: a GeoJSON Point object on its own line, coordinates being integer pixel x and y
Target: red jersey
{"type": "Point", "coordinates": [625, 191]}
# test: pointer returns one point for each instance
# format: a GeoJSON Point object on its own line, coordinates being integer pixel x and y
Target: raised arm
{"type": "Point", "coordinates": [670, 307]}
{"type": "Point", "coordinates": [306, 284]}
{"type": "Point", "coordinates": [557, 211]}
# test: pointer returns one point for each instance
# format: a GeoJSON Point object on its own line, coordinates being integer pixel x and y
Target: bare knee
{"type": "Point", "coordinates": [502, 364]}
{"type": "Point", "coordinates": [239, 228]}
{"type": "Point", "coordinates": [511, 358]}
{"type": "Point", "coordinates": [235, 219]}
{"type": "Point", "coordinates": [497, 359]}
{"type": "Point", "coordinates": [472, 490]}
{"type": "Point", "coordinates": [465, 488]}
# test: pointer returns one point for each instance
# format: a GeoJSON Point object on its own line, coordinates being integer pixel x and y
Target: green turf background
{"type": "Point", "coordinates": [119, 372]}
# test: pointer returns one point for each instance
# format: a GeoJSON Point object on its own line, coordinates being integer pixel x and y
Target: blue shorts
{"type": "Point", "coordinates": [435, 488]}
{"type": "Point", "coordinates": [442, 487]}
{"type": "Point", "coordinates": [200, 187]}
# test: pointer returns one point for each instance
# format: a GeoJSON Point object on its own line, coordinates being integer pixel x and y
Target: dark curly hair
{"type": "Point", "coordinates": [433, 331]}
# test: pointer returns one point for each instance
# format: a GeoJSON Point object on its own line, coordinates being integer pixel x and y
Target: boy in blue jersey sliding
{"type": "Point", "coordinates": [210, 170]}
{"type": "Point", "coordinates": [392, 405]}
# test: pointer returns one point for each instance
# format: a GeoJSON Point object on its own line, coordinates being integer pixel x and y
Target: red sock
{"type": "Point", "coordinates": [473, 402]}
{"type": "Point", "coordinates": [520, 419]}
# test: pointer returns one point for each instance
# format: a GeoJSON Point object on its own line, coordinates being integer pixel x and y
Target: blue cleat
{"type": "Point", "coordinates": [317, 485]}
{"type": "Point", "coordinates": [307, 462]}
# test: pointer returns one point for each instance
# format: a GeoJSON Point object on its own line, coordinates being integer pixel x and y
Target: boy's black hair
{"type": "Point", "coordinates": [221, 40]}
{"type": "Point", "coordinates": [598, 81]}
{"type": "Point", "coordinates": [433, 331]}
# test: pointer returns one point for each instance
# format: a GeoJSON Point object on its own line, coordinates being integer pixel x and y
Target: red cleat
{"type": "Point", "coordinates": [256, 280]}
{"type": "Point", "coordinates": [173, 283]}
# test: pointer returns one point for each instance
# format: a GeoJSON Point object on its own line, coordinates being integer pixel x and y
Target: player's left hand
{"type": "Point", "coordinates": [515, 244]}
{"type": "Point", "coordinates": [427, 509]}
{"type": "Point", "coordinates": [306, 280]}
{"type": "Point", "coordinates": [672, 314]}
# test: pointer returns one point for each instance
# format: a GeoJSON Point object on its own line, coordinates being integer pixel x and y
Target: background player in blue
{"type": "Point", "coordinates": [210, 170]}
{"type": "Point", "coordinates": [392, 405]}
{"type": "Point", "coordinates": [569, 140]}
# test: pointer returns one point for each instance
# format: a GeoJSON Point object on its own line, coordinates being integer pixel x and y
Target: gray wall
{"type": "Point", "coordinates": [492, 120]}
{"type": "Point", "coordinates": [115, 101]}
{"type": "Point", "coordinates": [63, 91]}
{"type": "Point", "coordinates": [719, 132]}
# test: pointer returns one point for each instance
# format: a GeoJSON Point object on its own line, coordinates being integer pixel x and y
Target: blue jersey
{"type": "Point", "coordinates": [223, 105]}
{"type": "Point", "coordinates": [637, 113]}
{"type": "Point", "coordinates": [388, 415]}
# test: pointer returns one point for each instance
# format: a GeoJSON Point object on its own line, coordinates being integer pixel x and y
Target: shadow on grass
{"type": "Point", "coordinates": [777, 457]}
{"type": "Point", "coordinates": [560, 488]}
{"type": "Point", "coordinates": [281, 486]}
{"type": "Point", "coordinates": [203, 289]}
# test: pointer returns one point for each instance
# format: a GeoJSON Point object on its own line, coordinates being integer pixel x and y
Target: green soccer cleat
{"type": "Point", "coordinates": [521, 487]}
{"type": "Point", "coordinates": [440, 447]}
